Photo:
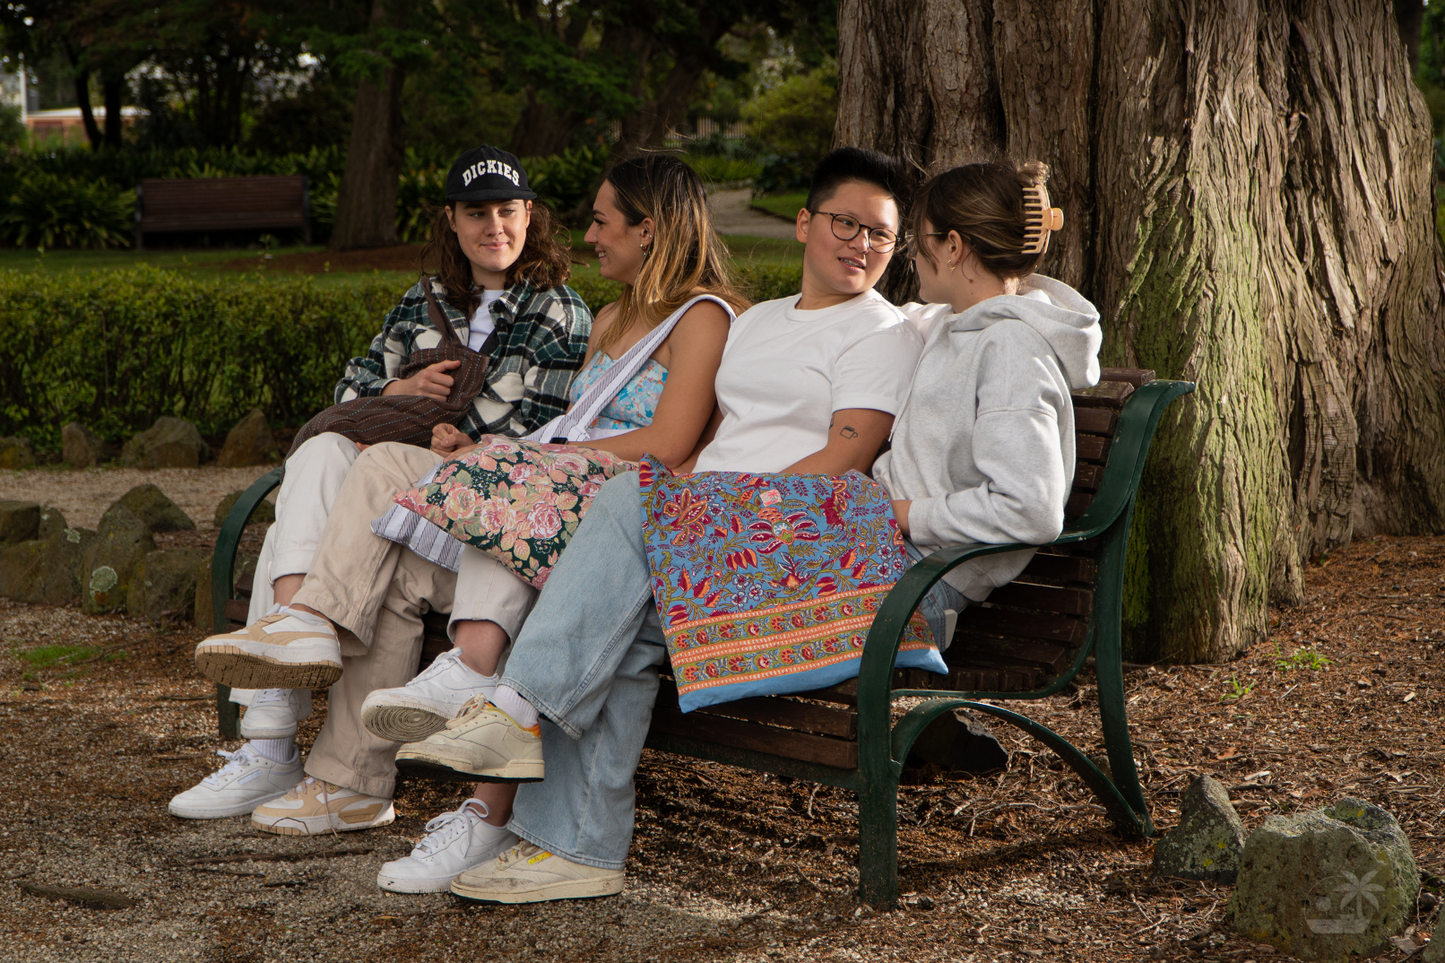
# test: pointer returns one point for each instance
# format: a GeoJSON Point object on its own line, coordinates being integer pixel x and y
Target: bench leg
{"type": "Point", "coordinates": [878, 841]}
{"type": "Point", "coordinates": [228, 714]}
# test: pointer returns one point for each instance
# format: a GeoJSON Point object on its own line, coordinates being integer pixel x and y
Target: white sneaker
{"type": "Point", "coordinates": [424, 705]}
{"type": "Point", "coordinates": [316, 806]}
{"type": "Point", "coordinates": [456, 841]}
{"type": "Point", "coordinates": [288, 650]}
{"type": "Point", "coordinates": [482, 743]}
{"type": "Point", "coordinates": [246, 781]}
{"type": "Point", "coordinates": [526, 873]}
{"type": "Point", "coordinates": [274, 713]}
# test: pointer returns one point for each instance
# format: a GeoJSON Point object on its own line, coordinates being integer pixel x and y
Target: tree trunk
{"type": "Point", "coordinates": [87, 115]}
{"type": "Point", "coordinates": [113, 89]}
{"type": "Point", "coordinates": [543, 130]}
{"type": "Point", "coordinates": [1249, 200]}
{"type": "Point", "coordinates": [366, 200]}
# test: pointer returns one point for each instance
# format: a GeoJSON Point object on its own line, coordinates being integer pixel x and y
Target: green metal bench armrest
{"type": "Point", "coordinates": [1125, 466]}
{"type": "Point", "coordinates": [223, 559]}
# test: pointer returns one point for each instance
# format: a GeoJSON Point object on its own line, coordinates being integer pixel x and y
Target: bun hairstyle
{"type": "Point", "coordinates": [685, 258]}
{"type": "Point", "coordinates": [985, 204]}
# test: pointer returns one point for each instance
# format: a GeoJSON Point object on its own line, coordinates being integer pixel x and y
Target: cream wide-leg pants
{"type": "Point", "coordinates": [378, 592]}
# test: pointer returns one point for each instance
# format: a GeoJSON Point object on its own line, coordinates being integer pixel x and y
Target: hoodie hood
{"type": "Point", "coordinates": [1065, 319]}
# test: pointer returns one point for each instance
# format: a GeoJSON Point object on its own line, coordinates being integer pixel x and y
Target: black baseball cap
{"type": "Point", "coordinates": [487, 174]}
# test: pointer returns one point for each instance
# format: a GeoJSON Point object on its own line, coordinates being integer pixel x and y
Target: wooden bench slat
{"type": "Point", "coordinates": [1092, 448]}
{"type": "Point", "coordinates": [776, 711]}
{"type": "Point", "coordinates": [1105, 394]}
{"type": "Point", "coordinates": [1137, 377]}
{"type": "Point", "coordinates": [1023, 654]}
{"type": "Point", "coordinates": [1098, 421]}
{"type": "Point", "coordinates": [1043, 598]}
{"type": "Point", "coordinates": [1087, 477]}
{"type": "Point", "coordinates": [981, 620]}
{"type": "Point", "coordinates": [788, 743]}
{"type": "Point", "coordinates": [1077, 504]}
{"type": "Point", "coordinates": [1062, 568]}
{"type": "Point", "coordinates": [237, 610]}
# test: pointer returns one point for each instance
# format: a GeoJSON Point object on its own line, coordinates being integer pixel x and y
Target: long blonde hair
{"type": "Point", "coordinates": [685, 258]}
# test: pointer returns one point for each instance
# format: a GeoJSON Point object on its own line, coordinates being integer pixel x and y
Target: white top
{"type": "Point", "coordinates": [482, 324]}
{"type": "Point", "coordinates": [785, 371]}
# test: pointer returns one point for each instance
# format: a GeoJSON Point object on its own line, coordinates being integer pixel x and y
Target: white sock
{"type": "Point", "coordinates": [510, 701]}
{"type": "Point", "coordinates": [310, 618]}
{"type": "Point", "coordinates": [277, 750]}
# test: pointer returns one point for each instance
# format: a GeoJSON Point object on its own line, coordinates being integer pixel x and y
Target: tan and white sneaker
{"type": "Point", "coordinates": [483, 743]}
{"type": "Point", "coordinates": [526, 873]}
{"type": "Point", "coordinates": [286, 650]}
{"type": "Point", "coordinates": [316, 806]}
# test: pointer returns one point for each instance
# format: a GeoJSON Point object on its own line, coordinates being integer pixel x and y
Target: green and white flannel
{"type": "Point", "coordinates": [542, 337]}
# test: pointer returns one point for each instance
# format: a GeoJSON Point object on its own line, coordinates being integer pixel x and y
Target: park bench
{"type": "Point", "coordinates": [1027, 641]}
{"type": "Point", "coordinates": [222, 204]}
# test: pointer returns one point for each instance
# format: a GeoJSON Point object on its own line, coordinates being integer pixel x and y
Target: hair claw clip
{"type": "Point", "coordinates": [1040, 220]}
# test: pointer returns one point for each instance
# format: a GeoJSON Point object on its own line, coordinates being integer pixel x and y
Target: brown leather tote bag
{"type": "Point", "coordinates": [410, 418]}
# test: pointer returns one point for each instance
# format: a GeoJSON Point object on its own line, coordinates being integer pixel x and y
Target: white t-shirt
{"type": "Point", "coordinates": [784, 372]}
{"type": "Point", "coordinates": [482, 324]}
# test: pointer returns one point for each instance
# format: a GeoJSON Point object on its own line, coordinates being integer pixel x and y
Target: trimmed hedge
{"type": "Point", "coordinates": [115, 350]}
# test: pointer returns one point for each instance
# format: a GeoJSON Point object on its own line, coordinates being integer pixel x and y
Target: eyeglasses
{"type": "Point", "coordinates": [911, 241]}
{"type": "Point", "coordinates": [846, 227]}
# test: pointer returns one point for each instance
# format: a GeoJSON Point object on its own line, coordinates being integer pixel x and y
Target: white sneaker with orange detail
{"type": "Point", "coordinates": [317, 806]}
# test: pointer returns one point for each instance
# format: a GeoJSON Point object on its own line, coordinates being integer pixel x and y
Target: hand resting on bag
{"type": "Point", "coordinates": [431, 381]}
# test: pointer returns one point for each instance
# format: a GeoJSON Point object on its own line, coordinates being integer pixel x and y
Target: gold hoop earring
{"type": "Point", "coordinates": [953, 267]}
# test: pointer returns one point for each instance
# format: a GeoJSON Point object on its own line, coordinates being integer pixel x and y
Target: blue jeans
{"type": "Point", "coordinates": [587, 659]}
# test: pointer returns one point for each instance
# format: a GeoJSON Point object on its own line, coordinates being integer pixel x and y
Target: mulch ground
{"type": "Point", "coordinates": [730, 865]}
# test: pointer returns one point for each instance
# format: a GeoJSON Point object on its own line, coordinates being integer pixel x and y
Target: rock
{"type": "Point", "coordinates": [1435, 949]}
{"type": "Point", "coordinates": [15, 452]}
{"type": "Point", "coordinates": [1209, 839]}
{"type": "Point", "coordinates": [164, 584]}
{"type": "Point", "coordinates": [110, 562]}
{"type": "Point", "coordinates": [52, 522]}
{"type": "Point", "coordinates": [83, 448]}
{"type": "Point", "coordinates": [19, 521]}
{"type": "Point", "coordinates": [265, 511]}
{"type": "Point", "coordinates": [249, 443]}
{"type": "Point", "coordinates": [160, 514]}
{"type": "Point", "coordinates": [45, 571]}
{"type": "Point", "coordinates": [205, 618]}
{"type": "Point", "coordinates": [20, 570]}
{"type": "Point", "coordinates": [957, 742]}
{"type": "Point", "coordinates": [1325, 884]}
{"type": "Point", "coordinates": [169, 443]}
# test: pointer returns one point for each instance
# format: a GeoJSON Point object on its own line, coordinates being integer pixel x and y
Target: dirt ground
{"type": "Point", "coordinates": [727, 865]}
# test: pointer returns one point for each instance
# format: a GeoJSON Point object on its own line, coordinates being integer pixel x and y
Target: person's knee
{"type": "Point", "coordinates": [327, 447]}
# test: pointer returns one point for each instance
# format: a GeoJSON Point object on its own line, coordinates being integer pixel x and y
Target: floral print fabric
{"type": "Point", "coordinates": [634, 406]}
{"type": "Point", "coordinates": [768, 584]}
{"type": "Point", "coordinates": [518, 501]}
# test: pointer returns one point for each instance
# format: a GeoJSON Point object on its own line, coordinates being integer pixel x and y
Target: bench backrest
{"type": "Point", "coordinates": [222, 203]}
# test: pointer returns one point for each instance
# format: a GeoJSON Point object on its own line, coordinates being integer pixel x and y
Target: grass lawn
{"type": "Point", "coordinates": [783, 205]}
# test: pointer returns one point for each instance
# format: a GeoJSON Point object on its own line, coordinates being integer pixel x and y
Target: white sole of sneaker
{"type": "Point", "coordinates": [562, 889]}
{"type": "Point", "coordinates": [394, 884]}
{"type": "Point", "coordinates": [234, 666]}
{"type": "Point", "coordinates": [263, 733]}
{"type": "Point", "coordinates": [516, 770]}
{"type": "Point", "coordinates": [402, 723]}
{"type": "Point", "coordinates": [186, 812]}
{"type": "Point", "coordinates": [340, 822]}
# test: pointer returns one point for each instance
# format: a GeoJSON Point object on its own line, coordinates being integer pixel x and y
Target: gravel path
{"type": "Point", "coordinates": [84, 495]}
{"type": "Point", "coordinates": [732, 215]}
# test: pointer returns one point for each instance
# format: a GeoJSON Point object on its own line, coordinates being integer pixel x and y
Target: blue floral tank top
{"type": "Point", "coordinates": [634, 405]}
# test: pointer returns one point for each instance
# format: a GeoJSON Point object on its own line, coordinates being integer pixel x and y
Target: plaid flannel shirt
{"type": "Point", "coordinates": [542, 337]}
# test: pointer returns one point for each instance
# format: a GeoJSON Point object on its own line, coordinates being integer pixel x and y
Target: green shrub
{"type": "Point", "coordinates": [717, 169]}
{"type": "Point", "coordinates": [564, 181]}
{"type": "Point", "coordinates": [116, 349]}
{"type": "Point", "coordinates": [46, 210]}
{"type": "Point", "coordinates": [798, 115]}
{"type": "Point", "coordinates": [758, 282]}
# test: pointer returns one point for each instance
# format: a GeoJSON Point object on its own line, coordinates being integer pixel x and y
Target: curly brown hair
{"type": "Point", "coordinates": [545, 261]}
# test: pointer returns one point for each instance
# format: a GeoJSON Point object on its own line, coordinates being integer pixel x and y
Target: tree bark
{"type": "Point", "coordinates": [113, 89]}
{"type": "Point", "coordinates": [87, 115]}
{"type": "Point", "coordinates": [366, 200]}
{"type": "Point", "coordinates": [1249, 200]}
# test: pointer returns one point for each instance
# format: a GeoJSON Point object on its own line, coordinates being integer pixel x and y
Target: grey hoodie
{"type": "Point", "coordinates": [984, 448]}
